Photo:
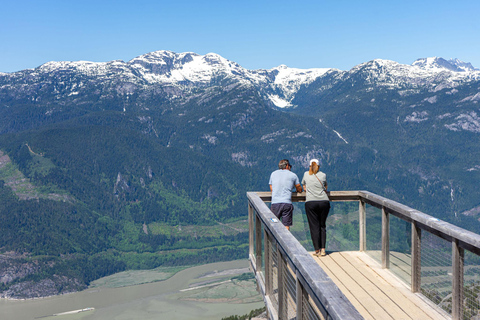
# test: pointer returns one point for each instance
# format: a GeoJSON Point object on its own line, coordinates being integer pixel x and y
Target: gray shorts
{"type": "Point", "coordinates": [284, 212]}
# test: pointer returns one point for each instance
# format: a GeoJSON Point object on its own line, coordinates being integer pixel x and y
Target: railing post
{"type": "Point", "coordinates": [258, 244]}
{"type": "Point", "coordinates": [250, 230]}
{"type": "Point", "coordinates": [362, 225]}
{"type": "Point", "coordinates": [268, 262]}
{"type": "Point", "coordinates": [416, 257]}
{"type": "Point", "coordinates": [281, 285]}
{"type": "Point", "coordinates": [299, 298]}
{"type": "Point", "coordinates": [385, 239]}
{"type": "Point", "coordinates": [457, 280]}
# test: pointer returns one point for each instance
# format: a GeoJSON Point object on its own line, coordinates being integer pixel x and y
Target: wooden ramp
{"type": "Point", "coordinates": [375, 292]}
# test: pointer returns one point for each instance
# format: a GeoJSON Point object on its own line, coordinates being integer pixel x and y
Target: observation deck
{"type": "Point", "coordinates": [384, 261]}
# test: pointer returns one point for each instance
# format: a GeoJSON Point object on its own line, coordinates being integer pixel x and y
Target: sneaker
{"type": "Point", "coordinates": [323, 253]}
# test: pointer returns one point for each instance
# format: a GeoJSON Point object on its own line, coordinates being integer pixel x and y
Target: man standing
{"type": "Point", "coordinates": [282, 182]}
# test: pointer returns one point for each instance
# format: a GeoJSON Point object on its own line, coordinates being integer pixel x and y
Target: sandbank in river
{"type": "Point", "coordinates": [201, 293]}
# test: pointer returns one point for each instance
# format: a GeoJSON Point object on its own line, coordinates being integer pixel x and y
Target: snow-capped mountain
{"type": "Point", "coordinates": [436, 64]}
{"type": "Point", "coordinates": [436, 88]}
{"type": "Point", "coordinates": [433, 74]}
{"type": "Point", "coordinates": [187, 68]}
{"type": "Point", "coordinates": [190, 69]}
{"type": "Point", "coordinates": [433, 89]}
{"type": "Point", "coordinates": [181, 72]}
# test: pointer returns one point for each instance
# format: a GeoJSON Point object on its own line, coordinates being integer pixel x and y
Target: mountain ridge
{"type": "Point", "coordinates": [279, 85]}
{"type": "Point", "coordinates": [173, 141]}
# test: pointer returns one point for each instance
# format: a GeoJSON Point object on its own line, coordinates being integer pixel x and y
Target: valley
{"type": "Point", "coordinates": [116, 166]}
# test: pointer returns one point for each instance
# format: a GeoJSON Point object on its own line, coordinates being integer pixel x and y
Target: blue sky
{"type": "Point", "coordinates": [259, 34]}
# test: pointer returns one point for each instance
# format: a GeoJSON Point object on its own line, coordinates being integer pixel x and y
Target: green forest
{"type": "Point", "coordinates": [103, 181]}
{"type": "Point", "coordinates": [124, 202]}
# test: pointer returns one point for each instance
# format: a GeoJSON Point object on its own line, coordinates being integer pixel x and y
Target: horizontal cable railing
{"type": "Point", "coordinates": [279, 260]}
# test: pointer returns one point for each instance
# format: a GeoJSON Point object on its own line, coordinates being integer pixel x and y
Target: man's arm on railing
{"type": "Point", "coordinates": [299, 187]}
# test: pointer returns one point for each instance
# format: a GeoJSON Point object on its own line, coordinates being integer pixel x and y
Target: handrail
{"type": "Point", "coordinates": [322, 290]}
{"type": "Point", "coordinates": [468, 240]}
{"type": "Point", "coordinates": [310, 277]}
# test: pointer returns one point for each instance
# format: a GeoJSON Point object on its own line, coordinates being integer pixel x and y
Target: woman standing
{"type": "Point", "coordinates": [317, 205]}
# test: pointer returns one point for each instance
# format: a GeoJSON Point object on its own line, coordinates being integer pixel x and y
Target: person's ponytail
{"type": "Point", "coordinates": [313, 168]}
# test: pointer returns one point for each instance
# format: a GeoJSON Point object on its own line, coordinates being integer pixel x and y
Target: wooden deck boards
{"type": "Point", "coordinates": [375, 292]}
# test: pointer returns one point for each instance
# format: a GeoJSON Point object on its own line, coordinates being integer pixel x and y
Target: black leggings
{"type": "Point", "coordinates": [317, 212]}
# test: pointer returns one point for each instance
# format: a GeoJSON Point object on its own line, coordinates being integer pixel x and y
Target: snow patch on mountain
{"type": "Point", "coordinates": [183, 68]}
{"type": "Point", "coordinates": [431, 99]}
{"type": "Point", "coordinates": [474, 168]}
{"type": "Point", "coordinates": [475, 98]}
{"type": "Point", "coordinates": [432, 74]}
{"type": "Point", "coordinates": [468, 122]}
{"type": "Point", "coordinates": [340, 136]}
{"type": "Point", "coordinates": [86, 68]}
{"type": "Point", "coordinates": [211, 139]}
{"type": "Point", "coordinates": [445, 115]}
{"type": "Point", "coordinates": [417, 117]}
{"type": "Point", "coordinates": [243, 158]}
{"type": "Point", "coordinates": [279, 84]}
{"type": "Point", "coordinates": [462, 66]}
{"type": "Point", "coordinates": [289, 80]}
{"type": "Point", "coordinates": [269, 138]}
{"type": "Point", "coordinates": [436, 64]}
{"type": "Point", "coordinates": [278, 101]}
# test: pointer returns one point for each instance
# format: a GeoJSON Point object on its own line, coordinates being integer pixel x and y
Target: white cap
{"type": "Point", "coordinates": [314, 160]}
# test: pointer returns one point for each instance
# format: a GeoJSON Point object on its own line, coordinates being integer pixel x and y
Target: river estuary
{"type": "Point", "coordinates": [201, 293]}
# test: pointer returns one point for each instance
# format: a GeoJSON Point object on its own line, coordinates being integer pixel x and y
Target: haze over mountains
{"type": "Point", "coordinates": [134, 149]}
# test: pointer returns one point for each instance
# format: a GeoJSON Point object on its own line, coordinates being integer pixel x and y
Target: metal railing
{"type": "Point", "coordinates": [295, 287]}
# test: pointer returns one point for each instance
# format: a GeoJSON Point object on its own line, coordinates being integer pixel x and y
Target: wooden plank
{"type": "Point", "coordinates": [300, 196]}
{"type": "Point", "coordinates": [370, 283]}
{"type": "Point", "coordinates": [362, 280]}
{"type": "Point", "coordinates": [362, 299]}
{"type": "Point", "coordinates": [395, 289]}
{"type": "Point", "coordinates": [348, 294]}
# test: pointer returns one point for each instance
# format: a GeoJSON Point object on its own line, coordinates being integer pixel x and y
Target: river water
{"type": "Point", "coordinates": [157, 300]}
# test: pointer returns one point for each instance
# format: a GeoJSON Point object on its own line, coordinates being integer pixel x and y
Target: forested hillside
{"type": "Point", "coordinates": [138, 192]}
{"type": "Point", "coordinates": [115, 166]}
